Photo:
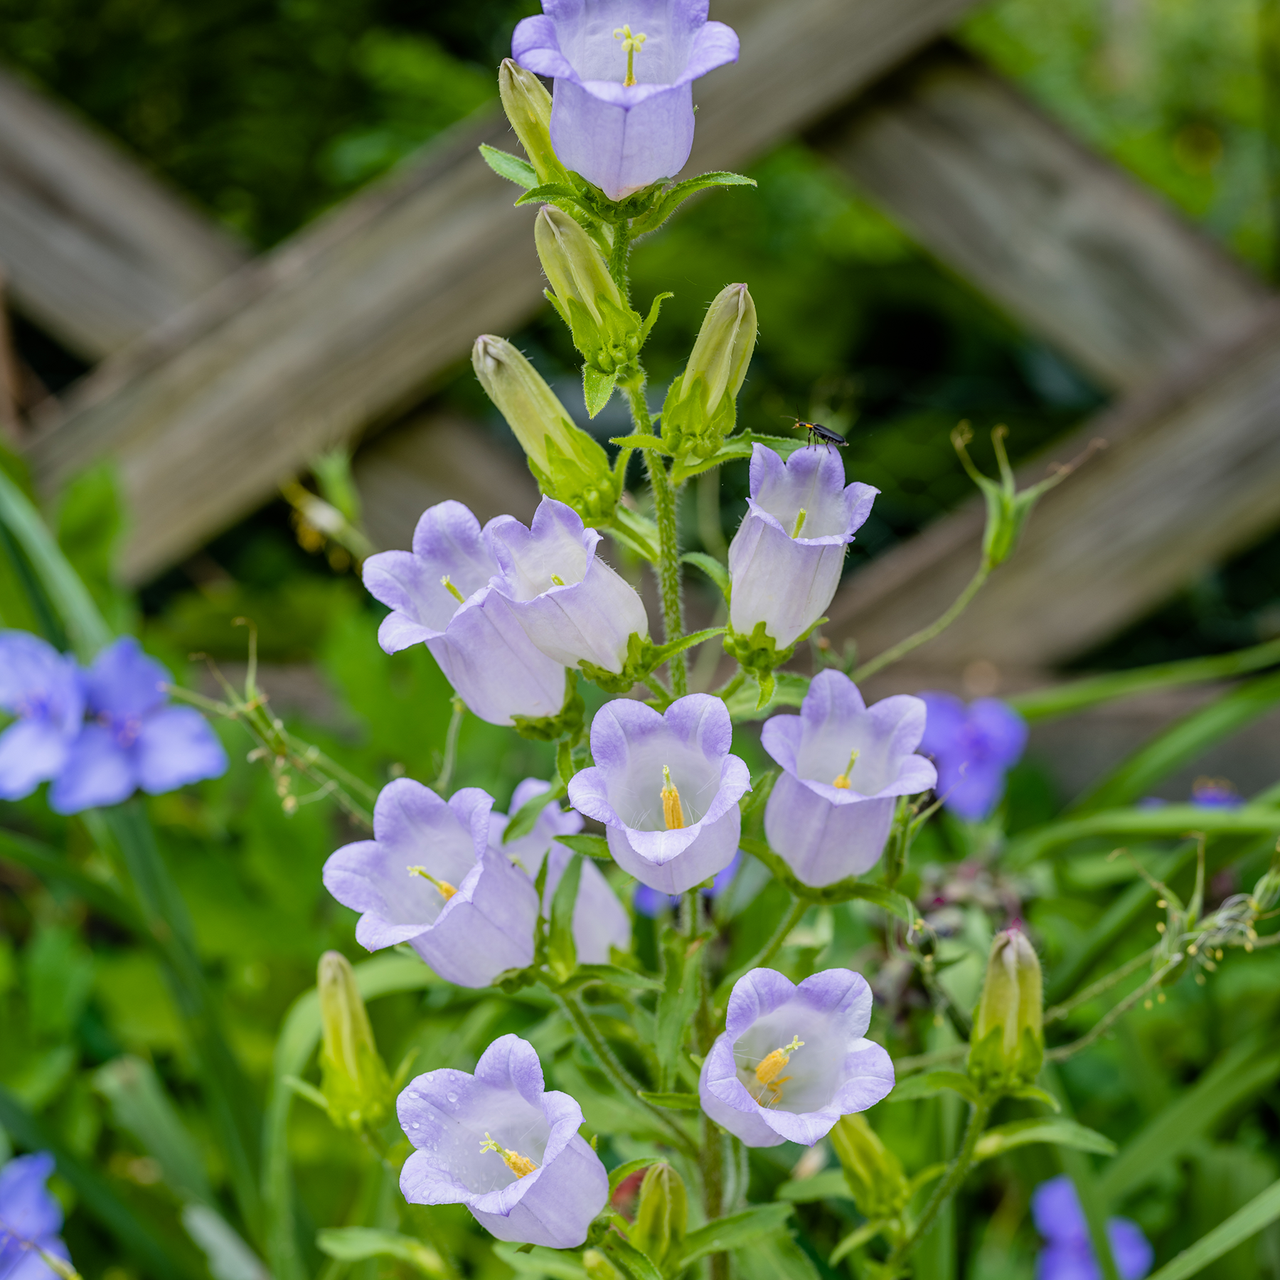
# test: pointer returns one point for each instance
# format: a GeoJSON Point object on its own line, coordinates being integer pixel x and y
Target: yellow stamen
{"type": "Point", "coordinates": [446, 889]}
{"type": "Point", "coordinates": [632, 43]}
{"type": "Point", "coordinates": [843, 780]}
{"type": "Point", "coordinates": [559, 582]}
{"type": "Point", "coordinates": [800, 519]}
{"type": "Point", "coordinates": [447, 584]}
{"type": "Point", "coordinates": [672, 810]}
{"type": "Point", "coordinates": [520, 1165]}
{"type": "Point", "coordinates": [767, 1071]}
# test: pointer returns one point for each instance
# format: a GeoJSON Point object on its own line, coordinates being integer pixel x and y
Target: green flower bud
{"type": "Point", "coordinates": [874, 1174]}
{"type": "Point", "coordinates": [528, 107]}
{"type": "Point", "coordinates": [701, 406]}
{"type": "Point", "coordinates": [662, 1214]}
{"type": "Point", "coordinates": [598, 1267]}
{"type": "Point", "coordinates": [353, 1078]}
{"type": "Point", "coordinates": [1266, 893]}
{"type": "Point", "coordinates": [1006, 1049]}
{"type": "Point", "coordinates": [566, 462]}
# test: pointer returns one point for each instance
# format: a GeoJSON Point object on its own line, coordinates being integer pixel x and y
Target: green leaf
{"type": "Point", "coordinates": [711, 567]}
{"type": "Point", "coordinates": [931, 1083]}
{"type": "Point", "coordinates": [776, 1257]}
{"type": "Point", "coordinates": [854, 1240]}
{"type": "Point", "coordinates": [789, 690]}
{"type": "Point", "coordinates": [673, 198]}
{"type": "Point", "coordinates": [597, 387]}
{"type": "Point", "coordinates": [735, 1231]}
{"type": "Point", "coordinates": [630, 1258]}
{"type": "Point", "coordinates": [828, 1185]}
{"type": "Point", "coordinates": [1053, 1130]}
{"type": "Point", "coordinates": [1030, 1093]}
{"type": "Point", "coordinates": [736, 447]}
{"type": "Point", "coordinates": [562, 952]}
{"type": "Point", "coordinates": [525, 817]}
{"type": "Point", "coordinates": [354, 1244]}
{"type": "Point", "coordinates": [513, 168]}
{"type": "Point", "coordinates": [616, 976]}
{"type": "Point", "coordinates": [552, 193]}
{"type": "Point", "coordinates": [539, 1261]}
{"type": "Point", "coordinates": [642, 441]}
{"type": "Point", "coordinates": [619, 1175]}
{"type": "Point", "coordinates": [681, 976]}
{"type": "Point", "coordinates": [1260, 1212]}
{"type": "Point", "coordinates": [590, 846]}
{"type": "Point", "coordinates": [842, 891]}
{"type": "Point", "coordinates": [673, 1101]}
{"type": "Point", "coordinates": [666, 651]}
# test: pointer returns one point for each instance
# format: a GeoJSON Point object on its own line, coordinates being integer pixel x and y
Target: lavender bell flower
{"type": "Point", "coordinates": [42, 688]}
{"type": "Point", "coordinates": [973, 747]}
{"type": "Point", "coordinates": [793, 1059]}
{"type": "Point", "coordinates": [1068, 1253]}
{"type": "Point", "coordinates": [666, 788]}
{"type": "Point", "coordinates": [651, 903]}
{"type": "Point", "coordinates": [785, 559]}
{"type": "Point", "coordinates": [504, 1146]}
{"type": "Point", "coordinates": [599, 920]}
{"type": "Point", "coordinates": [429, 878]}
{"type": "Point", "coordinates": [572, 606]}
{"type": "Point", "coordinates": [30, 1219]}
{"type": "Point", "coordinates": [622, 109]}
{"type": "Point", "coordinates": [844, 765]}
{"type": "Point", "coordinates": [132, 736]}
{"type": "Point", "coordinates": [439, 595]}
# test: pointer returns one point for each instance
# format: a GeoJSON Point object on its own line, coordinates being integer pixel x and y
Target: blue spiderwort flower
{"type": "Point", "coordinates": [649, 902]}
{"type": "Point", "coordinates": [843, 767]}
{"type": "Point", "coordinates": [1215, 793]}
{"type": "Point", "coordinates": [666, 789]}
{"type": "Point", "coordinates": [42, 688]}
{"type": "Point", "coordinates": [439, 595]}
{"type": "Point", "coordinates": [793, 1059]}
{"type": "Point", "coordinates": [429, 878]}
{"type": "Point", "coordinates": [600, 921]}
{"type": "Point", "coordinates": [1068, 1252]}
{"type": "Point", "coordinates": [973, 747]}
{"type": "Point", "coordinates": [30, 1219]}
{"type": "Point", "coordinates": [503, 1145]}
{"type": "Point", "coordinates": [622, 110]}
{"type": "Point", "coordinates": [133, 738]}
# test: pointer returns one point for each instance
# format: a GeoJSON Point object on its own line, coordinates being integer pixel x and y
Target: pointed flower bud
{"type": "Point", "coordinates": [528, 107]}
{"type": "Point", "coordinates": [701, 405]}
{"type": "Point", "coordinates": [1007, 1046]}
{"type": "Point", "coordinates": [874, 1174]}
{"type": "Point", "coordinates": [566, 462]}
{"type": "Point", "coordinates": [662, 1215]}
{"type": "Point", "coordinates": [353, 1078]}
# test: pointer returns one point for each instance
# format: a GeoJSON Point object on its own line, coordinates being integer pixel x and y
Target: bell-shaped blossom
{"type": "Point", "coordinates": [133, 738]}
{"type": "Point", "coordinates": [30, 1219]}
{"type": "Point", "coordinates": [622, 113]}
{"type": "Point", "coordinates": [973, 747]}
{"type": "Point", "coordinates": [793, 1059]}
{"type": "Point", "coordinates": [439, 595]}
{"type": "Point", "coordinates": [785, 559]}
{"type": "Point", "coordinates": [503, 1145]}
{"type": "Point", "coordinates": [429, 878]}
{"type": "Point", "coordinates": [666, 789]}
{"type": "Point", "coordinates": [843, 766]}
{"type": "Point", "coordinates": [571, 604]}
{"type": "Point", "coordinates": [651, 903]}
{"type": "Point", "coordinates": [1068, 1253]}
{"type": "Point", "coordinates": [600, 921]}
{"type": "Point", "coordinates": [42, 688]}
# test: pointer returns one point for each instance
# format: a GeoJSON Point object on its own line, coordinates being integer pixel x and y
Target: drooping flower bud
{"type": "Point", "coordinates": [701, 405]}
{"type": "Point", "coordinates": [566, 462]}
{"type": "Point", "coordinates": [662, 1215]}
{"type": "Point", "coordinates": [528, 107]}
{"type": "Point", "coordinates": [875, 1176]}
{"type": "Point", "coordinates": [1006, 1049]}
{"type": "Point", "coordinates": [353, 1078]}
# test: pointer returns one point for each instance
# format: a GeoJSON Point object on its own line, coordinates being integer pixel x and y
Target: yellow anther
{"type": "Point", "coordinates": [520, 1165]}
{"type": "Point", "coordinates": [800, 519]}
{"type": "Point", "coordinates": [632, 43]}
{"type": "Point", "coordinates": [767, 1071]}
{"type": "Point", "coordinates": [1161, 903]}
{"type": "Point", "coordinates": [447, 583]}
{"type": "Point", "coordinates": [842, 782]}
{"type": "Point", "coordinates": [445, 888]}
{"type": "Point", "coordinates": [1191, 950]}
{"type": "Point", "coordinates": [1160, 926]}
{"type": "Point", "coordinates": [557, 580]}
{"type": "Point", "coordinates": [672, 810]}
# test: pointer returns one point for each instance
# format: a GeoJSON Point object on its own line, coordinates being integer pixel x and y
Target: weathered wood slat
{"type": "Point", "coordinates": [1071, 245]}
{"type": "Point", "coordinates": [94, 247]}
{"type": "Point", "coordinates": [354, 317]}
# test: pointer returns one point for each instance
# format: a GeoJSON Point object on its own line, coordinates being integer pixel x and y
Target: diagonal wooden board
{"type": "Point", "coordinates": [350, 321]}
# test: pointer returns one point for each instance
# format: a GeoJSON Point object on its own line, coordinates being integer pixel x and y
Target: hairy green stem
{"type": "Point", "coordinates": [771, 948]}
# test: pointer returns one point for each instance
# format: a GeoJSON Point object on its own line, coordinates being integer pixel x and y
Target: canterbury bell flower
{"type": "Point", "coordinates": [793, 1059]}
{"type": "Point", "coordinates": [844, 764]}
{"type": "Point", "coordinates": [666, 789]}
{"type": "Point", "coordinates": [624, 72]}
{"type": "Point", "coordinates": [503, 1145]}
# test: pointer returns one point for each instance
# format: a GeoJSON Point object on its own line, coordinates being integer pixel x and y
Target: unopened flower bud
{"type": "Point", "coordinates": [662, 1214]}
{"type": "Point", "coordinates": [353, 1078]}
{"type": "Point", "coordinates": [566, 462]}
{"type": "Point", "coordinates": [598, 1267]}
{"type": "Point", "coordinates": [528, 107]}
{"type": "Point", "coordinates": [874, 1174]}
{"type": "Point", "coordinates": [1266, 893]}
{"type": "Point", "coordinates": [1006, 1049]}
{"type": "Point", "coordinates": [701, 406]}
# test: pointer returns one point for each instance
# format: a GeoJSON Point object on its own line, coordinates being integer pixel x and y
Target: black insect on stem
{"type": "Point", "coordinates": [817, 432]}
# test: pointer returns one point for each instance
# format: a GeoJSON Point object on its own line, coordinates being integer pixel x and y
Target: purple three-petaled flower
{"type": "Point", "coordinates": [973, 747]}
{"type": "Point", "coordinates": [503, 1145]}
{"type": "Point", "coordinates": [30, 1219]}
{"type": "Point", "coordinates": [1068, 1253]}
{"type": "Point", "coordinates": [41, 687]}
{"type": "Point", "coordinates": [622, 113]}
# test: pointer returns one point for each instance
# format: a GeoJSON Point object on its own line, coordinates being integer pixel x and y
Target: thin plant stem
{"type": "Point", "coordinates": [1063, 1052]}
{"type": "Point", "coordinates": [1059, 1011]}
{"type": "Point", "coordinates": [904, 647]}
{"type": "Point", "coordinates": [713, 1188]}
{"type": "Point", "coordinates": [450, 747]}
{"type": "Point", "coordinates": [618, 258]}
{"type": "Point", "coordinates": [771, 948]}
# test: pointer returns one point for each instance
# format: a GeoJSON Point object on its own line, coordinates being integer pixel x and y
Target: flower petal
{"type": "Point", "coordinates": [97, 772]}
{"type": "Point", "coordinates": [176, 746]}
{"type": "Point", "coordinates": [31, 752]}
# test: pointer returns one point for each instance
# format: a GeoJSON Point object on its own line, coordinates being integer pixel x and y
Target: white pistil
{"type": "Point", "coordinates": [632, 43]}
{"type": "Point", "coordinates": [447, 583]}
{"type": "Point", "coordinates": [520, 1165]}
{"type": "Point", "coordinates": [445, 889]}
{"type": "Point", "coordinates": [800, 519]}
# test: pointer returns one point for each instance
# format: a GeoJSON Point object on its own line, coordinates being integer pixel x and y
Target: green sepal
{"type": "Point", "coordinates": [509, 981]}
{"type": "Point", "coordinates": [597, 387]}
{"type": "Point", "coordinates": [589, 846]}
{"type": "Point", "coordinates": [505, 165]}
{"type": "Point", "coordinates": [643, 659]}
{"type": "Point", "coordinates": [568, 723]}
{"type": "Point", "coordinates": [790, 691]}
{"type": "Point", "coordinates": [711, 567]}
{"type": "Point", "coordinates": [642, 441]}
{"type": "Point", "coordinates": [766, 683]}
{"type": "Point", "coordinates": [586, 483]}
{"type": "Point", "coordinates": [842, 891]}
{"type": "Point", "coordinates": [636, 532]}
{"type": "Point", "coordinates": [733, 449]}
{"type": "Point", "coordinates": [557, 193]}
{"type": "Point", "coordinates": [654, 308]}
{"type": "Point", "coordinates": [674, 197]}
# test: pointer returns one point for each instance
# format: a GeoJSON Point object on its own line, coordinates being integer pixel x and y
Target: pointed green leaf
{"type": "Point", "coordinates": [513, 168]}
{"type": "Point", "coordinates": [539, 1262]}
{"type": "Point", "coordinates": [641, 441]}
{"type": "Point", "coordinates": [673, 1101]}
{"type": "Point", "coordinates": [1053, 1130]}
{"type": "Point", "coordinates": [830, 1184]}
{"type": "Point", "coordinates": [354, 1244]}
{"type": "Point", "coordinates": [619, 1175]}
{"type": "Point", "coordinates": [615, 975]}
{"type": "Point", "coordinates": [711, 567]}
{"type": "Point", "coordinates": [562, 953]}
{"type": "Point", "coordinates": [735, 1231]}
{"type": "Point", "coordinates": [597, 387]}
{"type": "Point", "coordinates": [1260, 1212]}
{"type": "Point", "coordinates": [855, 1239]}
{"type": "Point", "coordinates": [934, 1082]}
{"type": "Point", "coordinates": [591, 846]}
{"type": "Point", "coordinates": [526, 816]}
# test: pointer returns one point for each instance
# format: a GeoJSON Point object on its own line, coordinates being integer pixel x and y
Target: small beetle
{"type": "Point", "coordinates": [818, 432]}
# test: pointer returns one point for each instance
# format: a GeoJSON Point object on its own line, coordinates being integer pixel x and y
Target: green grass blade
{"type": "Point", "coordinates": [1260, 1212]}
